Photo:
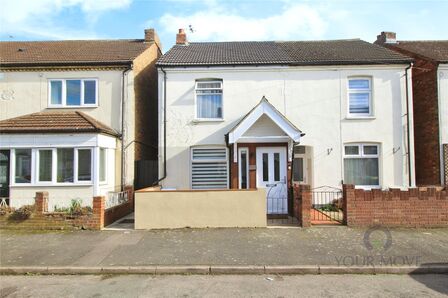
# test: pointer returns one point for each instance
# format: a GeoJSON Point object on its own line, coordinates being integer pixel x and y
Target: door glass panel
{"type": "Point", "coordinates": [265, 167]}
{"type": "Point", "coordinates": [45, 165]}
{"type": "Point", "coordinates": [4, 173]}
{"type": "Point", "coordinates": [243, 162]}
{"type": "Point", "coordinates": [276, 166]}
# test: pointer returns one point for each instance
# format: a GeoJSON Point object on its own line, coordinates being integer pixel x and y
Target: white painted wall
{"type": "Point", "coordinates": [312, 98]}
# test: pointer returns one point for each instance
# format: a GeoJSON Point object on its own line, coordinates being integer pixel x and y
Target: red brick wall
{"type": "Point", "coordinates": [445, 163]}
{"type": "Point", "coordinates": [42, 220]}
{"type": "Point", "coordinates": [426, 119]}
{"type": "Point", "coordinates": [422, 207]}
{"type": "Point", "coordinates": [117, 212]}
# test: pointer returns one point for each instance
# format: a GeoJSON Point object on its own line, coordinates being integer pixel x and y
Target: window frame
{"type": "Point", "coordinates": [226, 160]}
{"type": "Point", "coordinates": [361, 155]}
{"type": "Point", "coordinates": [370, 91]}
{"type": "Point", "coordinates": [64, 93]}
{"type": "Point", "coordinates": [240, 150]}
{"type": "Point", "coordinates": [35, 167]}
{"type": "Point", "coordinates": [196, 116]}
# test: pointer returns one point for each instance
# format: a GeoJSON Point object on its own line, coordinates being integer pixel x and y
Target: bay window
{"type": "Point", "coordinates": [73, 92]}
{"type": "Point", "coordinates": [53, 166]}
{"type": "Point", "coordinates": [361, 165]}
{"type": "Point", "coordinates": [102, 165]}
{"type": "Point", "coordinates": [360, 97]}
{"type": "Point", "coordinates": [209, 99]}
{"type": "Point", "coordinates": [209, 168]}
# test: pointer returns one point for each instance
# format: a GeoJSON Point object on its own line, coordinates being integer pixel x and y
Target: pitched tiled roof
{"type": "Point", "coordinates": [331, 52]}
{"type": "Point", "coordinates": [70, 52]}
{"type": "Point", "coordinates": [433, 49]}
{"type": "Point", "coordinates": [55, 122]}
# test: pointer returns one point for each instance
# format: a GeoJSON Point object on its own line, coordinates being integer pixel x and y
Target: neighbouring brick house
{"type": "Point", "coordinates": [76, 116]}
{"type": "Point", "coordinates": [430, 101]}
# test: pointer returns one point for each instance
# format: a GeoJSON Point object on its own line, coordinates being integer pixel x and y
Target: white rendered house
{"type": "Point", "coordinates": [269, 114]}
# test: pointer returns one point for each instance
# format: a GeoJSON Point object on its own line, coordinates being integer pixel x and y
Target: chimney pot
{"type": "Point", "coordinates": [181, 37]}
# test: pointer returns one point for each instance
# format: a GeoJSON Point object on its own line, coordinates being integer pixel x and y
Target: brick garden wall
{"type": "Point", "coordinates": [423, 207]}
{"type": "Point", "coordinates": [445, 163]}
{"type": "Point", "coordinates": [40, 219]}
{"type": "Point", "coordinates": [117, 212]}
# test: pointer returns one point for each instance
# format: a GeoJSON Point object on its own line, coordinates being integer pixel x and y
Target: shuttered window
{"type": "Point", "coordinates": [209, 168]}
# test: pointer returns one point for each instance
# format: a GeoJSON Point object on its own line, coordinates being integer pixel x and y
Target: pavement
{"type": "Point", "coordinates": [225, 286]}
{"type": "Point", "coordinates": [318, 248]}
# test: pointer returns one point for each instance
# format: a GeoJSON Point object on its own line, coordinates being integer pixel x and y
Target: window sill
{"type": "Point", "coordinates": [72, 107]}
{"type": "Point", "coordinates": [51, 184]}
{"type": "Point", "coordinates": [368, 187]}
{"type": "Point", "coordinates": [360, 118]}
{"type": "Point", "coordinates": [207, 120]}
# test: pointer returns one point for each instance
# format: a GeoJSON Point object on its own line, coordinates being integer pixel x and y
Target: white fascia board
{"type": "Point", "coordinates": [55, 140]}
{"type": "Point", "coordinates": [263, 109]}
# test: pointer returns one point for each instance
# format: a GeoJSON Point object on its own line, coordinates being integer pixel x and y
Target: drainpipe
{"type": "Point", "coordinates": [123, 155]}
{"type": "Point", "coordinates": [164, 128]}
{"type": "Point", "coordinates": [408, 128]}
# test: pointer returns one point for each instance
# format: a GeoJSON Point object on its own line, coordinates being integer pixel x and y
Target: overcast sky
{"type": "Point", "coordinates": [222, 20]}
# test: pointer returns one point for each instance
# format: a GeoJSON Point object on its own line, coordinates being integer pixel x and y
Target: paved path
{"type": "Point", "coordinates": [282, 246]}
{"type": "Point", "coordinates": [226, 286]}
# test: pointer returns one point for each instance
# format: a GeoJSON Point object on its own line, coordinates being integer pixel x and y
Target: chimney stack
{"type": "Point", "coordinates": [386, 38]}
{"type": "Point", "coordinates": [181, 37]}
{"type": "Point", "coordinates": [152, 37]}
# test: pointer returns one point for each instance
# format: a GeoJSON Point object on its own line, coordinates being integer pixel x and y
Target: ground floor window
{"type": "Point", "coordinates": [209, 168]}
{"type": "Point", "coordinates": [361, 164]}
{"type": "Point", "coordinates": [53, 165]}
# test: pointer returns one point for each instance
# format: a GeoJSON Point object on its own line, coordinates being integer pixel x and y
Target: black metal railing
{"type": "Point", "coordinates": [327, 205]}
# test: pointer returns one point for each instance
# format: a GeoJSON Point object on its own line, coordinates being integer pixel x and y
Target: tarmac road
{"type": "Point", "coordinates": [225, 286]}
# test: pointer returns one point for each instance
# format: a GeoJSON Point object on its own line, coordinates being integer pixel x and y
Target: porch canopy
{"type": "Point", "coordinates": [264, 124]}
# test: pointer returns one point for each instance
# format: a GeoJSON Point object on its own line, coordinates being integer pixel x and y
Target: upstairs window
{"type": "Point", "coordinates": [73, 93]}
{"type": "Point", "coordinates": [209, 168]}
{"type": "Point", "coordinates": [360, 97]}
{"type": "Point", "coordinates": [209, 99]}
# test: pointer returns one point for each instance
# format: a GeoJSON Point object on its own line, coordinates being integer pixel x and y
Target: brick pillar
{"type": "Point", "coordinates": [130, 190]}
{"type": "Point", "coordinates": [99, 203]}
{"type": "Point", "coordinates": [305, 197]}
{"type": "Point", "coordinates": [41, 202]}
{"type": "Point", "coordinates": [348, 196]}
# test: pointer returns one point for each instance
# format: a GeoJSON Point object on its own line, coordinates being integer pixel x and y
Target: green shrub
{"type": "Point", "coordinates": [329, 208]}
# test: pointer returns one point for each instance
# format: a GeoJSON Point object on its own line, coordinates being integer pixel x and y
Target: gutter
{"type": "Point", "coordinates": [123, 155]}
{"type": "Point", "coordinates": [164, 129]}
{"type": "Point", "coordinates": [407, 120]}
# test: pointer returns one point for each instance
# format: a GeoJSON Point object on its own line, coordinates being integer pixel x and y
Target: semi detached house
{"type": "Point", "coordinates": [68, 120]}
{"type": "Point", "coordinates": [242, 115]}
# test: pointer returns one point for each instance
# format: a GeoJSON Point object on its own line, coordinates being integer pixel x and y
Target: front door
{"type": "Point", "coordinates": [4, 175]}
{"type": "Point", "coordinates": [271, 174]}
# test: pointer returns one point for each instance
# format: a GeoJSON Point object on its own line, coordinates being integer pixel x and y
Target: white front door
{"type": "Point", "coordinates": [271, 174]}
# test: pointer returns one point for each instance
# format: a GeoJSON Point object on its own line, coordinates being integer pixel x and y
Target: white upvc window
{"type": "Point", "coordinates": [361, 165]}
{"type": "Point", "coordinates": [209, 100]}
{"type": "Point", "coordinates": [359, 97]}
{"type": "Point", "coordinates": [53, 166]}
{"type": "Point", "coordinates": [243, 168]}
{"type": "Point", "coordinates": [209, 168]}
{"type": "Point", "coordinates": [69, 93]}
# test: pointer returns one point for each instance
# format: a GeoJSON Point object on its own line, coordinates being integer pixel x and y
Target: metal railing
{"type": "Point", "coordinates": [327, 204]}
{"type": "Point", "coordinates": [116, 198]}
